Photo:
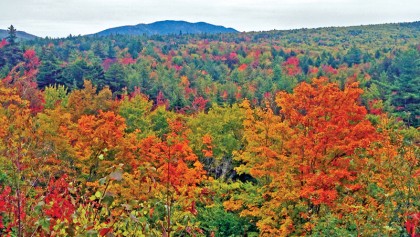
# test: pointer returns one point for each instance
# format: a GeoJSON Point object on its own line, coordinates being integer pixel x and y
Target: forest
{"type": "Point", "coordinates": [307, 132]}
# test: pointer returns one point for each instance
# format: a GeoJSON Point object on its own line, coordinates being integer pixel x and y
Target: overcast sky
{"type": "Point", "coordinates": [59, 18]}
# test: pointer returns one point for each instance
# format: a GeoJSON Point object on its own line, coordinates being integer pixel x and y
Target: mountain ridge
{"type": "Point", "coordinates": [166, 27]}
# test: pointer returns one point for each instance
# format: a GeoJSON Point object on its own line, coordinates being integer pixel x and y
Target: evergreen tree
{"type": "Point", "coordinates": [11, 38]}
{"type": "Point", "coordinates": [114, 78]}
{"type": "Point", "coordinates": [11, 54]}
{"type": "Point", "coordinates": [406, 97]}
{"type": "Point", "coordinates": [50, 72]}
{"type": "Point", "coordinates": [353, 56]}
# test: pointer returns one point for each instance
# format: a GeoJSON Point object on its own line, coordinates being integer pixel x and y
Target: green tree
{"type": "Point", "coordinates": [406, 98]}
{"type": "Point", "coordinates": [114, 78]}
{"type": "Point", "coordinates": [215, 136]}
{"type": "Point", "coordinates": [353, 56]}
{"type": "Point", "coordinates": [11, 38]}
{"type": "Point", "coordinates": [50, 71]}
{"type": "Point", "coordinates": [11, 53]}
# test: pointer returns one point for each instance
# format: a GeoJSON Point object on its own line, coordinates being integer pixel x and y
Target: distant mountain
{"type": "Point", "coordinates": [21, 35]}
{"type": "Point", "coordinates": [167, 27]}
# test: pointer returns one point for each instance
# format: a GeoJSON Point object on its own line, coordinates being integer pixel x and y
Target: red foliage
{"type": "Point", "coordinates": [11, 205]}
{"type": "Point", "coordinates": [26, 83]}
{"type": "Point", "coordinates": [107, 63]}
{"type": "Point", "coordinates": [313, 70]}
{"type": "Point", "coordinates": [128, 60]}
{"type": "Point", "coordinates": [199, 103]}
{"type": "Point", "coordinates": [5, 204]}
{"type": "Point", "coordinates": [242, 67]}
{"type": "Point", "coordinates": [3, 43]}
{"type": "Point", "coordinates": [192, 209]}
{"type": "Point", "coordinates": [291, 66]}
{"type": "Point", "coordinates": [32, 61]}
{"type": "Point", "coordinates": [329, 70]}
{"type": "Point", "coordinates": [412, 223]}
{"type": "Point", "coordinates": [58, 201]}
{"type": "Point", "coordinates": [177, 68]}
{"type": "Point", "coordinates": [105, 231]}
{"type": "Point", "coordinates": [375, 107]}
{"type": "Point", "coordinates": [232, 59]}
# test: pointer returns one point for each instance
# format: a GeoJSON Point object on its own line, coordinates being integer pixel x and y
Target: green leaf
{"type": "Point", "coordinates": [98, 194]}
{"type": "Point", "coordinates": [102, 181]}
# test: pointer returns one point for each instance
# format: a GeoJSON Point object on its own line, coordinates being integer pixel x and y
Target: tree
{"type": "Point", "coordinates": [215, 136]}
{"type": "Point", "coordinates": [96, 140]}
{"type": "Point", "coordinates": [406, 97]}
{"type": "Point", "coordinates": [114, 78]}
{"type": "Point", "coordinates": [330, 132]}
{"type": "Point", "coordinates": [12, 54]}
{"type": "Point", "coordinates": [271, 188]}
{"type": "Point", "coordinates": [50, 70]}
{"type": "Point", "coordinates": [135, 110]}
{"type": "Point", "coordinates": [303, 160]}
{"type": "Point", "coordinates": [11, 38]}
{"type": "Point", "coordinates": [353, 56]}
{"type": "Point", "coordinates": [23, 78]}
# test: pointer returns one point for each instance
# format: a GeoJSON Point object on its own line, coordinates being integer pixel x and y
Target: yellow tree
{"type": "Point", "coordinates": [17, 153]}
{"type": "Point", "coordinates": [265, 159]}
{"type": "Point", "coordinates": [392, 178]}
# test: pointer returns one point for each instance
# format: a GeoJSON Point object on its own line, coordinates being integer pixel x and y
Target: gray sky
{"type": "Point", "coordinates": [59, 18]}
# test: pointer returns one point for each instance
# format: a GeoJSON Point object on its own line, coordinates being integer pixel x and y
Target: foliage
{"type": "Point", "coordinates": [284, 133]}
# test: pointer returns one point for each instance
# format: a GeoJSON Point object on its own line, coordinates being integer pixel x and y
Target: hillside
{"type": "Point", "coordinates": [306, 132]}
{"type": "Point", "coordinates": [166, 28]}
{"type": "Point", "coordinates": [20, 34]}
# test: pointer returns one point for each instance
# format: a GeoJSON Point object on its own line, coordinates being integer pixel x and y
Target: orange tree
{"type": "Point", "coordinates": [309, 166]}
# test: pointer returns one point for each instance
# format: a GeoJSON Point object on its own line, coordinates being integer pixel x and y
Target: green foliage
{"type": "Point", "coordinates": [136, 111]}
{"type": "Point", "coordinates": [114, 78]}
{"type": "Point", "coordinates": [224, 126]}
{"type": "Point", "coordinates": [56, 95]}
{"type": "Point", "coordinates": [223, 223]}
{"type": "Point", "coordinates": [406, 98]}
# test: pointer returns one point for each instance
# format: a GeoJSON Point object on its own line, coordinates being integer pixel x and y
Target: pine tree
{"type": "Point", "coordinates": [11, 38]}
{"type": "Point", "coordinates": [50, 71]}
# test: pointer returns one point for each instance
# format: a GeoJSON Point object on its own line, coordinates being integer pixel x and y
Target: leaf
{"type": "Point", "coordinates": [102, 181]}
{"type": "Point", "coordinates": [104, 231]}
{"type": "Point", "coordinates": [98, 194]}
{"type": "Point", "coordinates": [116, 175]}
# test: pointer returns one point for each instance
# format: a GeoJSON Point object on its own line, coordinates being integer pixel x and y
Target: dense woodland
{"type": "Point", "coordinates": [309, 132]}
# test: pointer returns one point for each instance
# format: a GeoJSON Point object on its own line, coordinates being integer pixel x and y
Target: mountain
{"type": "Point", "coordinates": [21, 35]}
{"type": "Point", "coordinates": [167, 27]}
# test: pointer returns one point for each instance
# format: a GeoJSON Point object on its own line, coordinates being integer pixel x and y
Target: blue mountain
{"type": "Point", "coordinates": [167, 27]}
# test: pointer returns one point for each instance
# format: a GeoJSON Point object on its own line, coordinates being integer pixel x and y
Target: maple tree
{"type": "Point", "coordinates": [303, 157]}
{"type": "Point", "coordinates": [330, 133]}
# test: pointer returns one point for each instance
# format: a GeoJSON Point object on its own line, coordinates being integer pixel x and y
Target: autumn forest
{"type": "Point", "coordinates": [309, 132]}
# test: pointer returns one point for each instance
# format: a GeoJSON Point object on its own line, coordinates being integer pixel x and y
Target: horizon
{"type": "Point", "coordinates": [77, 17]}
{"type": "Point", "coordinates": [316, 27]}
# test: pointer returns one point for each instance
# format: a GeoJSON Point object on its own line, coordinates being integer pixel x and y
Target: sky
{"type": "Point", "coordinates": [60, 18]}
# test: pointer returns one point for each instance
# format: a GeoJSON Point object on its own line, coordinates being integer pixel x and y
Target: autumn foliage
{"type": "Point", "coordinates": [259, 134]}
